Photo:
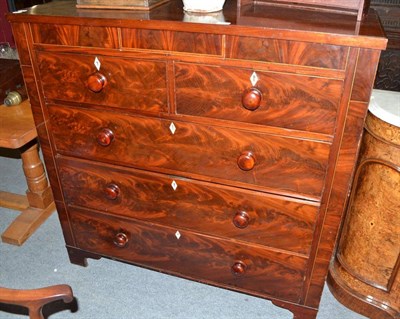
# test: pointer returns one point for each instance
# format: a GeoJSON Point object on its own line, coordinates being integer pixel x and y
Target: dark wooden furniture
{"type": "Point", "coordinates": [388, 76]}
{"type": "Point", "coordinates": [10, 77]}
{"type": "Point", "coordinates": [365, 274]}
{"type": "Point", "coordinates": [120, 4]}
{"type": "Point", "coordinates": [35, 299]}
{"type": "Point", "coordinates": [220, 153]}
{"type": "Point", "coordinates": [356, 8]}
{"type": "Point", "coordinates": [17, 131]}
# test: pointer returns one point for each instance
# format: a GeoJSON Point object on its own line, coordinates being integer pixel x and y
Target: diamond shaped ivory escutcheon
{"type": "Point", "coordinates": [178, 234]}
{"type": "Point", "coordinates": [172, 128]}
{"type": "Point", "coordinates": [254, 79]}
{"type": "Point", "coordinates": [174, 185]}
{"type": "Point", "coordinates": [97, 64]}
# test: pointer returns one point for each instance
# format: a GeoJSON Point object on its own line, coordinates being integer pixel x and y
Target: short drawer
{"type": "Point", "coordinates": [267, 98]}
{"type": "Point", "coordinates": [198, 151]}
{"type": "Point", "coordinates": [177, 41]}
{"type": "Point", "coordinates": [195, 256]}
{"type": "Point", "coordinates": [124, 83]}
{"type": "Point", "coordinates": [75, 35]}
{"type": "Point", "coordinates": [203, 207]}
{"type": "Point", "coordinates": [287, 52]}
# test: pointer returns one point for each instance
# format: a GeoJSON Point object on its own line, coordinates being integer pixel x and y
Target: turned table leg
{"type": "Point", "coordinates": [39, 196]}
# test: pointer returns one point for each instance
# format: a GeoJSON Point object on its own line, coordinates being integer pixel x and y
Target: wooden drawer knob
{"type": "Point", "coordinates": [96, 82]}
{"type": "Point", "coordinates": [241, 219]}
{"type": "Point", "coordinates": [105, 137]}
{"type": "Point", "coordinates": [239, 268]}
{"type": "Point", "coordinates": [251, 99]}
{"type": "Point", "coordinates": [112, 191]}
{"type": "Point", "coordinates": [246, 161]}
{"type": "Point", "coordinates": [120, 240]}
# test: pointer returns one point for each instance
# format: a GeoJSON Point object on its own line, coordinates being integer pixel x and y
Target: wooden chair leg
{"type": "Point", "coordinates": [35, 299]}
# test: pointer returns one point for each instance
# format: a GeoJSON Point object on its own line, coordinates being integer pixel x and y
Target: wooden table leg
{"type": "Point", "coordinates": [39, 196]}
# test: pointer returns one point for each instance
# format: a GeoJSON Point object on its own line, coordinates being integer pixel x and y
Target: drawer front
{"type": "Point", "coordinates": [276, 99]}
{"type": "Point", "coordinates": [203, 258]}
{"type": "Point", "coordinates": [201, 151]}
{"type": "Point", "coordinates": [185, 42]}
{"type": "Point", "coordinates": [202, 207]}
{"type": "Point", "coordinates": [75, 35]}
{"type": "Point", "coordinates": [123, 83]}
{"type": "Point", "coordinates": [287, 52]}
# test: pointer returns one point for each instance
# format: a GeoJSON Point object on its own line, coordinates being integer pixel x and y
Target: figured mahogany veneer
{"type": "Point", "coordinates": [219, 153]}
{"type": "Point", "coordinates": [264, 219]}
{"type": "Point", "coordinates": [211, 153]}
{"type": "Point", "coordinates": [194, 255]}
{"type": "Point", "coordinates": [227, 93]}
{"type": "Point", "coordinates": [123, 83]}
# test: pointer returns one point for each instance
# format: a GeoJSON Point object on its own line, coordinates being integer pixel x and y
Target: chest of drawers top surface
{"type": "Point", "coordinates": [217, 152]}
{"type": "Point", "coordinates": [321, 27]}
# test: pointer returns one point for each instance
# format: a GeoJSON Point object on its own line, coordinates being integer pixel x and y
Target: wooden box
{"type": "Point", "coordinates": [349, 7]}
{"type": "Point", "coordinates": [120, 4]}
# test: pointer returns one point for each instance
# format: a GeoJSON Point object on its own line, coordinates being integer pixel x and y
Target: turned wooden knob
{"type": "Point", "coordinates": [246, 161]}
{"type": "Point", "coordinates": [96, 82]}
{"type": "Point", "coordinates": [241, 219]}
{"type": "Point", "coordinates": [105, 137]}
{"type": "Point", "coordinates": [120, 240]}
{"type": "Point", "coordinates": [112, 191]}
{"type": "Point", "coordinates": [251, 98]}
{"type": "Point", "coordinates": [239, 268]}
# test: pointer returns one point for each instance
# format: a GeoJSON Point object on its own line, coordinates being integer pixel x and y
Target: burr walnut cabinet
{"type": "Point", "coordinates": [221, 153]}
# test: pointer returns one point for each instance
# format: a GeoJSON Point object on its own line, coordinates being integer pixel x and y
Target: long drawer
{"type": "Point", "coordinates": [267, 98]}
{"type": "Point", "coordinates": [283, 165]}
{"type": "Point", "coordinates": [134, 84]}
{"type": "Point", "coordinates": [195, 256]}
{"type": "Point", "coordinates": [203, 207]}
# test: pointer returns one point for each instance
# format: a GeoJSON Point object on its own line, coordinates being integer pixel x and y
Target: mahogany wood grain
{"type": "Point", "coordinates": [199, 43]}
{"type": "Point", "coordinates": [287, 52]}
{"type": "Point", "coordinates": [338, 198]}
{"type": "Point", "coordinates": [216, 92]}
{"type": "Point", "coordinates": [66, 229]}
{"type": "Point", "coordinates": [366, 71]}
{"type": "Point", "coordinates": [131, 83]}
{"type": "Point", "coordinates": [336, 29]}
{"type": "Point", "coordinates": [89, 36]}
{"type": "Point", "coordinates": [272, 221]}
{"type": "Point", "coordinates": [193, 255]}
{"type": "Point", "coordinates": [34, 100]}
{"type": "Point", "coordinates": [343, 156]}
{"type": "Point", "coordinates": [283, 164]}
{"type": "Point", "coordinates": [22, 46]}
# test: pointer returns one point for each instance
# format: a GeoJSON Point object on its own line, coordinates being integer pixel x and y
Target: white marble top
{"type": "Point", "coordinates": [386, 106]}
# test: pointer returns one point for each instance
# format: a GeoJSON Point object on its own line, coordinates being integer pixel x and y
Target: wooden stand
{"type": "Point", "coordinates": [35, 299]}
{"type": "Point", "coordinates": [17, 131]}
{"type": "Point", "coordinates": [365, 273]}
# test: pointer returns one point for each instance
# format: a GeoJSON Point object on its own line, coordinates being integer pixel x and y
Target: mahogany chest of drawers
{"type": "Point", "coordinates": [218, 152]}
